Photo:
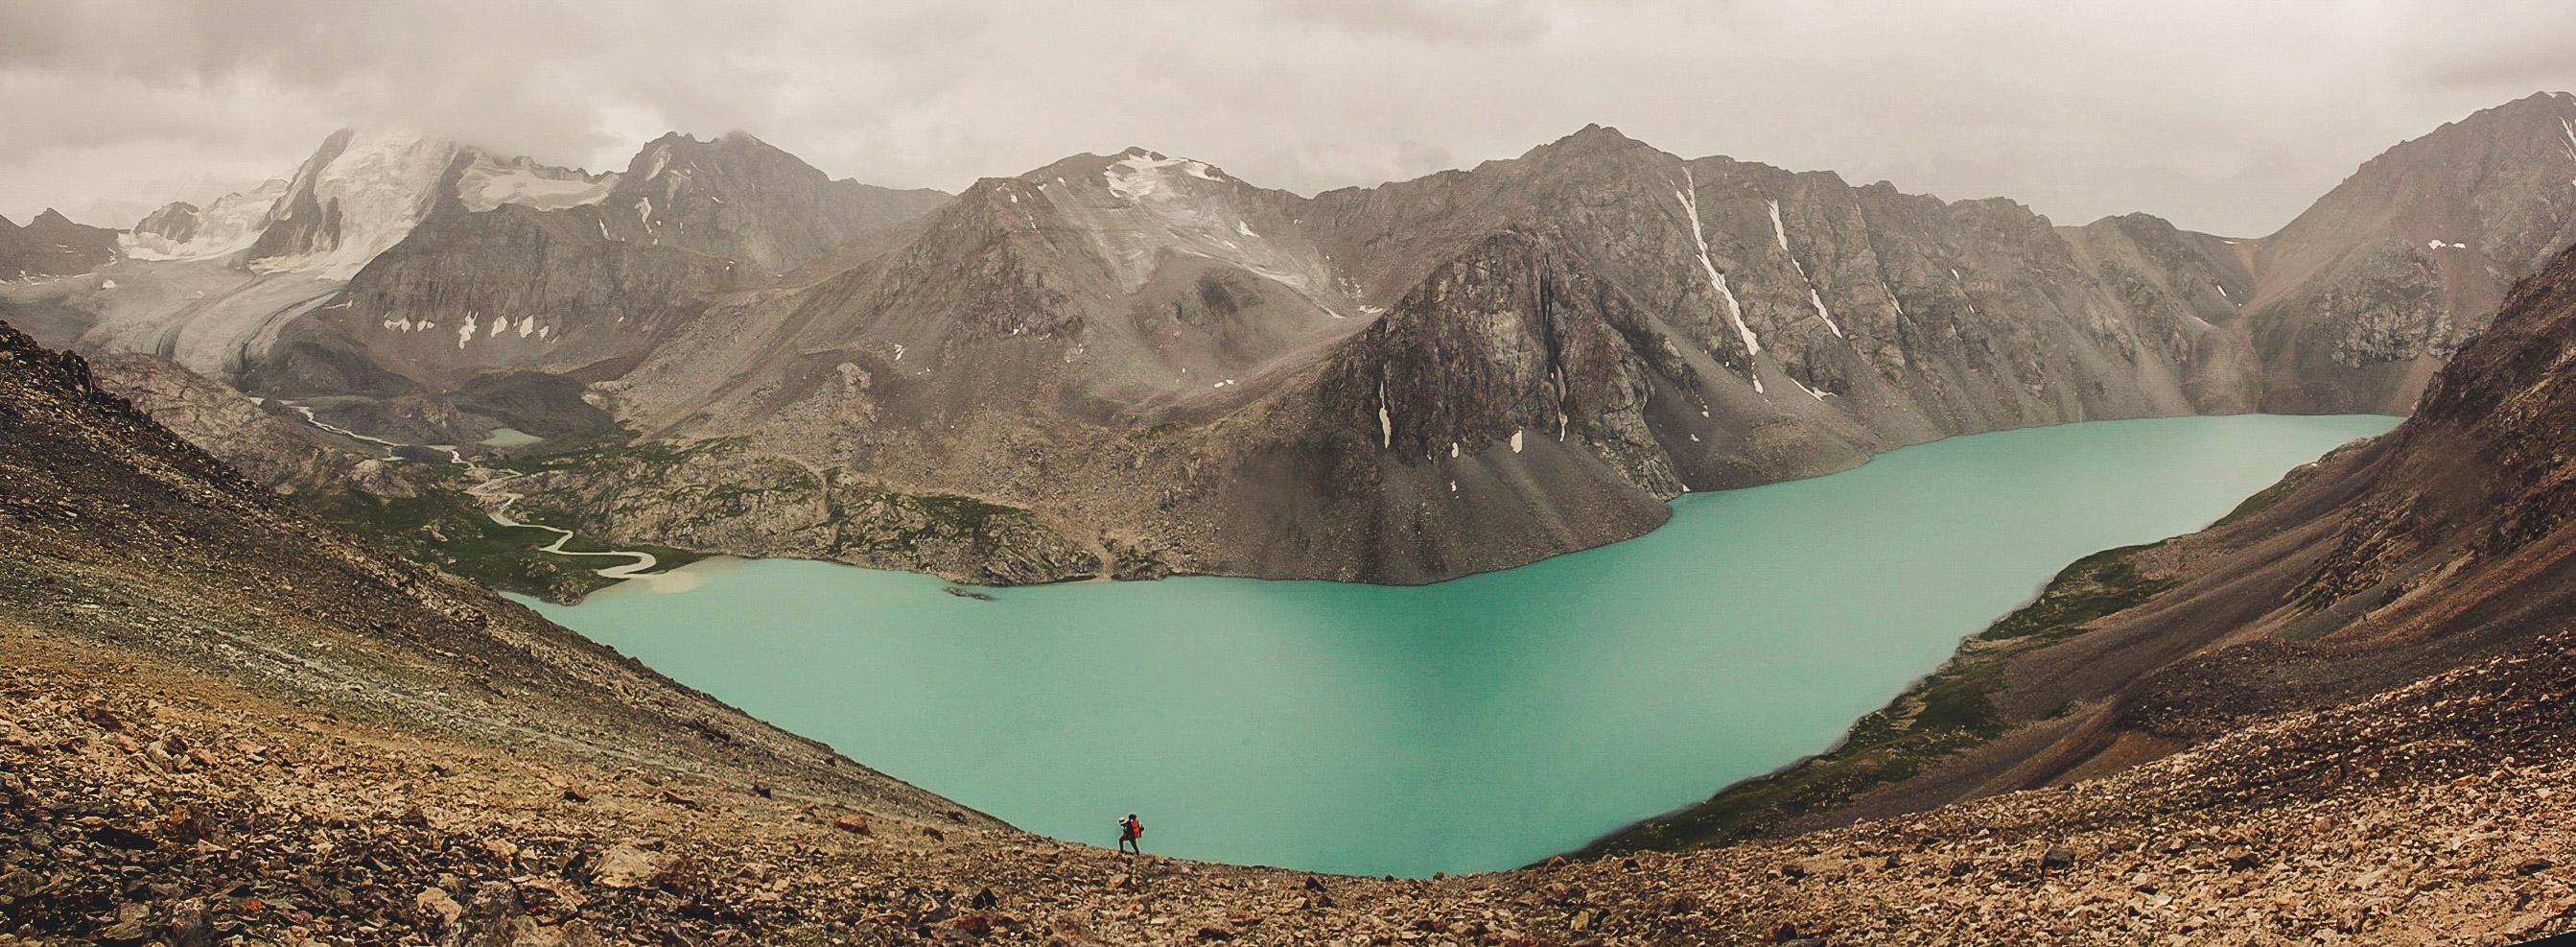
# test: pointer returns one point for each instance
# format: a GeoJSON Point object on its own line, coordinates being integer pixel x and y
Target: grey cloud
{"type": "Point", "coordinates": [1439, 21]}
{"type": "Point", "coordinates": [2220, 115]}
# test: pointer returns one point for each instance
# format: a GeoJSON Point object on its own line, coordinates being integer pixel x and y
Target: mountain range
{"type": "Point", "coordinates": [1134, 364]}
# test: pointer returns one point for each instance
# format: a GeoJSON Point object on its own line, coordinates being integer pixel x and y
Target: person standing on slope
{"type": "Point", "coordinates": [1131, 834]}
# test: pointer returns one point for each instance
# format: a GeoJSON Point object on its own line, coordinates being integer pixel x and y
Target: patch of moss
{"type": "Point", "coordinates": [2094, 586]}
{"type": "Point", "coordinates": [959, 514]}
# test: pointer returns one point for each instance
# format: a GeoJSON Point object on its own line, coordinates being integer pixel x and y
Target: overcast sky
{"type": "Point", "coordinates": [2223, 116]}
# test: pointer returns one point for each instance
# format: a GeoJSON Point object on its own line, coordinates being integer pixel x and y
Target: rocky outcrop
{"type": "Point", "coordinates": [718, 495]}
{"type": "Point", "coordinates": [1501, 410]}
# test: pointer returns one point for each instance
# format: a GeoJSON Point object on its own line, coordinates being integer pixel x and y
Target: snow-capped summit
{"type": "Point", "coordinates": [1138, 173]}
{"type": "Point", "coordinates": [358, 195]}
{"type": "Point", "coordinates": [363, 191]}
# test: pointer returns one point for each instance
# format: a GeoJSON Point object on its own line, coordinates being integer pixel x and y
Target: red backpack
{"type": "Point", "coordinates": [1136, 828]}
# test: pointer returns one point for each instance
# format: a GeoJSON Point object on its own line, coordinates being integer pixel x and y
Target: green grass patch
{"type": "Point", "coordinates": [446, 529]}
{"type": "Point", "coordinates": [2094, 586]}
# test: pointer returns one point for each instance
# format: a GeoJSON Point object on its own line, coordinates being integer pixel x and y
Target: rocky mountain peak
{"type": "Point", "coordinates": [53, 245]}
{"type": "Point", "coordinates": [741, 198]}
{"type": "Point", "coordinates": [175, 222]}
{"type": "Point", "coordinates": [2387, 274]}
{"type": "Point", "coordinates": [1597, 133]}
{"type": "Point", "coordinates": [734, 151]}
{"type": "Point", "coordinates": [1592, 141]}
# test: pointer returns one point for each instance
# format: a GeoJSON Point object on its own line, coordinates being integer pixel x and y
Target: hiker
{"type": "Point", "coordinates": [1131, 832]}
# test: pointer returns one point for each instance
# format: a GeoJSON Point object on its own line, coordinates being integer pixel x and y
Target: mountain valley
{"type": "Point", "coordinates": [1136, 365]}
{"type": "Point", "coordinates": [228, 718]}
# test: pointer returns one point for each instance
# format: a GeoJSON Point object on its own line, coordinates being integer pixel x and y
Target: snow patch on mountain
{"type": "Point", "coordinates": [1780, 232]}
{"type": "Point", "coordinates": [1385, 421]}
{"type": "Point", "coordinates": [1151, 206]}
{"type": "Point", "coordinates": [1139, 174]}
{"type": "Point", "coordinates": [489, 183]}
{"type": "Point", "coordinates": [1734, 311]}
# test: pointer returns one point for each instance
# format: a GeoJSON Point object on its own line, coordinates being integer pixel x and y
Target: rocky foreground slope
{"type": "Point", "coordinates": [224, 718]}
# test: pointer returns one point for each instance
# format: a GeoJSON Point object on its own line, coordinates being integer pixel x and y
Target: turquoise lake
{"type": "Point", "coordinates": [1477, 724]}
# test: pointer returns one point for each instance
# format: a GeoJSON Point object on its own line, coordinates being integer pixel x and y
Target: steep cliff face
{"type": "Point", "coordinates": [2371, 289]}
{"type": "Point", "coordinates": [1499, 411]}
{"type": "Point", "coordinates": [357, 196]}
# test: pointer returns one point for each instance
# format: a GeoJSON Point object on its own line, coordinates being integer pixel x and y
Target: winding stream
{"type": "Point", "coordinates": [500, 513]}
{"type": "Point", "coordinates": [489, 487]}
